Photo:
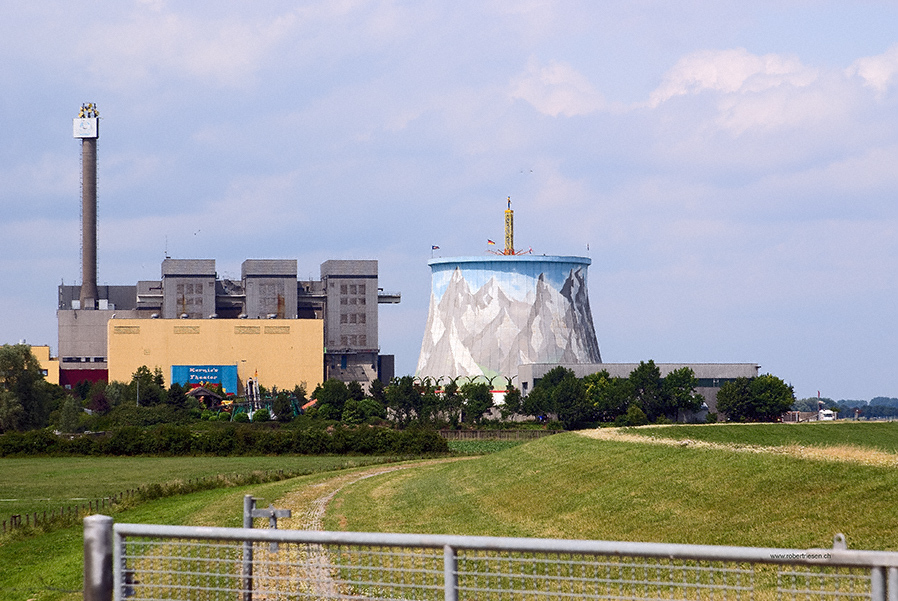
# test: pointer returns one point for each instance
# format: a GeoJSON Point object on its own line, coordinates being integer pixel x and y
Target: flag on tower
{"type": "Point", "coordinates": [488, 241]}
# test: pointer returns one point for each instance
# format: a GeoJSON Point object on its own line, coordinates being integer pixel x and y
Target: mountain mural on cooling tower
{"type": "Point", "coordinates": [487, 332]}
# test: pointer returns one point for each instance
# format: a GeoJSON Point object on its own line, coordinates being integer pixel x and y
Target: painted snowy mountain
{"type": "Point", "coordinates": [487, 332]}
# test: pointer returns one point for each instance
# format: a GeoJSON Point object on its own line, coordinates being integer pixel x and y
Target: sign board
{"type": "Point", "coordinates": [192, 376]}
{"type": "Point", "coordinates": [86, 128]}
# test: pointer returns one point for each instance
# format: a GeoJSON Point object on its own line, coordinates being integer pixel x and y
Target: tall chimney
{"type": "Point", "coordinates": [86, 127]}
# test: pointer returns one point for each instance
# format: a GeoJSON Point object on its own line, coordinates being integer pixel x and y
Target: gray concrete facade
{"type": "Point", "coordinates": [346, 298]}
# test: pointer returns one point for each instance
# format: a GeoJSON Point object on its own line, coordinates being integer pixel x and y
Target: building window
{"type": "Point", "coordinates": [363, 340]}
{"type": "Point", "coordinates": [361, 289]}
{"type": "Point", "coordinates": [362, 300]}
{"type": "Point", "coordinates": [352, 289]}
{"type": "Point", "coordinates": [353, 340]}
{"type": "Point", "coordinates": [344, 301]}
{"type": "Point", "coordinates": [361, 318]}
{"type": "Point", "coordinates": [342, 288]}
{"type": "Point", "coordinates": [344, 340]}
{"type": "Point", "coordinates": [343, 318]}
{"type": "Point", "coordinates": [352, 318]}
{"type": "Point", "coordinates": [352, 301]}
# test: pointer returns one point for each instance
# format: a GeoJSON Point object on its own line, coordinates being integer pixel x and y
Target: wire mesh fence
{"type": "Point", "coordinates": [165, 562]}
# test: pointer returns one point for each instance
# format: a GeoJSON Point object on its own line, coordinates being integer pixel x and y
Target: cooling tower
{"type": "Point", "coordinates": [490, 314]}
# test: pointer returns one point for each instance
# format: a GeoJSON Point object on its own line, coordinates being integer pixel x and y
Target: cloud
{"type": "Point", "coordinates": [878, 72]}
{"type": "Point", "coordinates": [730, 71]}
{"type": "Point", "coordinates": [556, 89]}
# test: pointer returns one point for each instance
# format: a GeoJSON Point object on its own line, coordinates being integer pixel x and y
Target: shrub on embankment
{"type": "Point", "coordinates": [232, 439]}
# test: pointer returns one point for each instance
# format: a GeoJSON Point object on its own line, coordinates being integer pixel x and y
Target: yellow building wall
{"type": "Point", "coordinates": [48, 364]}
{"type": "Point", "coordinates": [283, 353]}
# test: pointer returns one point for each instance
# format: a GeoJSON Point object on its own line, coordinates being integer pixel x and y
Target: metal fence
{"type": "Point", "coordinates": [136, 561]}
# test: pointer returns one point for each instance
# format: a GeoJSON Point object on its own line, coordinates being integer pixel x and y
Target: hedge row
{"type": "Point", "coordinates": [238, 439]}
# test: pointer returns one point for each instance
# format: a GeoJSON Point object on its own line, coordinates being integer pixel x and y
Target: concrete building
{"type": "Point", "coordinates": [343, 303]}
{"type": "Point", "coordinates": [488, 315]}
{"type": "Point", "coordinates": [274, 352]}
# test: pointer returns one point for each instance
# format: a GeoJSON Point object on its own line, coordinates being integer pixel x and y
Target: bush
{"type": "Point", "coordinates": [261, 415]}
{"type": "Point", "coordinates": [241, 418]}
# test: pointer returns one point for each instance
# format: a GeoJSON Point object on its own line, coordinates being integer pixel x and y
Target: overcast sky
{"type": "Point", "coordinates": [730, 167]}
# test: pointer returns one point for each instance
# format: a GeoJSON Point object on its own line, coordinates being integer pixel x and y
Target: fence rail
{"type": "Point", "coordinates": [139, 561]}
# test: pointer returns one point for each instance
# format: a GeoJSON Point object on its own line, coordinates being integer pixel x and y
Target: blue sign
{"type": "Point", "coordinates": [201, 375]}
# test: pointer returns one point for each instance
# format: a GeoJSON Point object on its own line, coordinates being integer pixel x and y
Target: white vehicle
{"type": "Point", "coordinates": [825, 415]}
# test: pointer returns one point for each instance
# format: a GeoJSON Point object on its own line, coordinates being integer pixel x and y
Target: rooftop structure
{"type": "Point", "coordinates": [490, 314]}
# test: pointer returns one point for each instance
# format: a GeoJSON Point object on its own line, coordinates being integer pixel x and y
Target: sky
{"type": "Point", "coordinates": [729, 167]}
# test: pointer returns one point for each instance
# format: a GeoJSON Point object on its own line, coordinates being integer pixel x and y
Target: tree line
{"type": "Point", "coordinates": [28, 402]}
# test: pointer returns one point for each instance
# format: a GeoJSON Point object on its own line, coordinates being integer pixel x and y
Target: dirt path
{"type": "Point", "coordinates": [842, 453]}
{"type": "Point", "coordinates": [307, 505]}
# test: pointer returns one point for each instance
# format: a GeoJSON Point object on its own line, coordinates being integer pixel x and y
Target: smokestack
{"type": "Point", "coordinates": [86, 128]}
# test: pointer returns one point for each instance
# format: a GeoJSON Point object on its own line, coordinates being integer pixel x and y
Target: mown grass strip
{"type": "Point", "coordinates": [881, 436]}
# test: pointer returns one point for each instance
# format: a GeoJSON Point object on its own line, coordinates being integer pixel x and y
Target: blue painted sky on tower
{"type": "Point", "coordinates": [731, 166]}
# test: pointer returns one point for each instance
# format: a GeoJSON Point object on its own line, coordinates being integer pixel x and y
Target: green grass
{"type": "Point", "coordinates": [881, 436]}
{"type": "Point", "coordinates": [46, 484]}
{"type": "Point", "coordinates": [50, 567]}
{"type": "Point", "coordinates": [481, 447]}
{"type": "Point", "coordinates": [569, 486]}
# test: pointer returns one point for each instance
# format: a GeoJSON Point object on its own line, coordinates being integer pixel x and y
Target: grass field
{"type": "Point", "coordinates": [46, 484]}
{"type": "Point", "coordinates": [881, 436]}
{"type": "Point", "coordinates": [570, 486]}
{"type": "Point", "coordinates": [565, 486]}
{"type": "Point", "coordinates": [50, 567]}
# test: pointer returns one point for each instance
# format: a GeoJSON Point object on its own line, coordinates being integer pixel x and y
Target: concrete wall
{"type": "Point", "coordinates": [488, 315]}
{"type": "Point", "coordinates": [283, 352]}
{"type": "Point", "coordinates": [49, 364]}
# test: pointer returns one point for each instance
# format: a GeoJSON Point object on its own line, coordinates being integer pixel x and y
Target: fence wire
{"type": "Point", "coordinates": [160, 567]}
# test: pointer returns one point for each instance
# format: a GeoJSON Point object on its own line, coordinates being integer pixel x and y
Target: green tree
{"type": "Point", "coordinates": [352, 412]}
{"type": "Point", "coordinates": [403, 399]}
{"type": "Point", "coordinates": [331, 396]}
{"type": "Point", "coordinates": [177, 396]}
{"type": "Point", "coordinates": [282, 407]}
{"type": "Point", "coordinates": [452, 403]}
{"type": "Point", "coordinates": [678, 392]}
{"type": "Point", "coordinates": [70, 415]}
{"type": "Point", "coordinates": [477, 400]}
{"type": "Point", "coordinates": [761, 399]}
{"type": "Point", "coordinates": [376, 391]}
{"type": "Point", "coordinates": [571, 405]}
{"type": "Point", "coordinates": [540, 401]}
{"type": "Point", "coordinates": [646, 381]}
{"type": "Point", "coordinates": [144, 388]}
{"type": "Point", "coordinates": [355, 391]}
{"type": "Point", "coordinates": [513, 402]}
{"type": "Point", "coordinates": [610, 397]}
{"type": "Point", "coordinates": [25, 397]}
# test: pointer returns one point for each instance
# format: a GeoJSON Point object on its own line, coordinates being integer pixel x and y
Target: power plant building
{"type": "Point", "coordinates": [271, 326]}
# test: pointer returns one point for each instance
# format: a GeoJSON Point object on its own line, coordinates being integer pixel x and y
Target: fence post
{"type": "Point", "coordinates": [878, 583]}
{"type": "Point", "coordinates": [893, 584]}
{"type": "Point", "coordinates": [98, 558]}
{"type": "Point", "coordinates": [249, 503]}
{"type": "Point", "coordinates": [450, 574]}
